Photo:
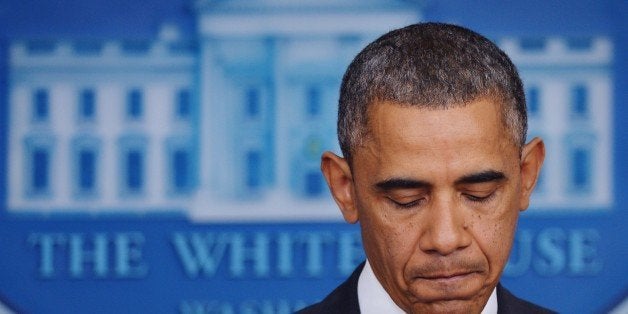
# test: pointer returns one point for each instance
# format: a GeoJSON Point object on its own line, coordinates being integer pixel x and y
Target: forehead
{"type": "Point", "coordinates": [480, 116]}
{"type": "Point", "coordinates": [470, 135]}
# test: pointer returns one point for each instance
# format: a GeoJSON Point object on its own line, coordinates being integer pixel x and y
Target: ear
{"type": "Point", "coordinates": [338, 176]}
{"type": "Point", "coordinates": [532, 158]}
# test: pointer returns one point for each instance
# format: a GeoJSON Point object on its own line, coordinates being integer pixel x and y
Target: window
{"type": "Point", "coordinates": [533, 44]}
{"type": "Point", "coordinates": [134, 171]}
{"type": "Point", "coordinates": [579, 165]}
{"type": "Point", "coordinates": [38, 165]}
{"type": "Point", "coordinates": [180, 164]}
{"type": "Point", "coordinates": [40, 180]}
{"type": "Point", "coordinates": [40, 105]}
{"type": "Point", "coordinates": [38, 47]}
{"type": "Point", "coordinates": [253, 169]}
{"type": "Point", "coordinates": [85, 150]}
{"type": "Point", "coordinates": [132, 164]}
{"type": "Point", "coordinates": [134, 108]}
{"type": "Point", "coordinates": [581, 169]}
{"type": "Point", "coordinates": [87, 170]}
{"type": "Point", "coordinates": [313, 183]}
{"type": "Point", "coordinates": [313, 101]}
{"type": "Point", "coordinates": [87, 105]}
{"type": "Point", "coordinates": [252, 102]}
{"type": "Point", "coordinates": [181, 170]}
{"type": "Point", "coordinates": [579, 101]}
{"type": "Point", "coordinates": [532, 99]}
{"type": "Point", "coordinates": [580, 43]}
{"type": "Point", "coordinates": [183, 104]}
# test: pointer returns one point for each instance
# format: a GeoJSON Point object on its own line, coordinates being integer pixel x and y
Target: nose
{"type": "Point", "coordinates": [446, 229]}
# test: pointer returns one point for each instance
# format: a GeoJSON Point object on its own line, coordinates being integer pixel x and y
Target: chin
{"type": "Point", "coordinates": [466, 294]}
{"type": "Point", "coordinates": [450, 306]}
{"type": "Point", "coordinates": [457, 288]}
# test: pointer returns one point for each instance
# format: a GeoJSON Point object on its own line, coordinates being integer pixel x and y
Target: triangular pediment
{"type": "Point", "coordinates": [302, 5]}
{"type": "Point", "coordinates": [219, 18]}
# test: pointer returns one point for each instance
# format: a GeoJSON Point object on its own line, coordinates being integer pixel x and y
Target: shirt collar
{"type": "Point", "coordinates": [491, 305]}
{"type": "Point", "coordinates": [373, 299]}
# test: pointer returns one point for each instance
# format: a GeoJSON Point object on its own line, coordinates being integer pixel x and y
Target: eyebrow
{"type": "Point", "coordinates": [401, 183]}
{"type": "Point", "coordinates": [482, 177]}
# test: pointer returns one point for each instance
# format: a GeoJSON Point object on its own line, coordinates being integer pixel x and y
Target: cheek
{"type": "Point", "coordinates": [494, 235]}
{"type": "Point", "coordinates": [386, 237]}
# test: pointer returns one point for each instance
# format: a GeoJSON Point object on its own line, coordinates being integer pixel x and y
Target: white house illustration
{"type": "Point", "coordinates": [230, 125]}
{"type": "Point", "coordinates": [569, 95]}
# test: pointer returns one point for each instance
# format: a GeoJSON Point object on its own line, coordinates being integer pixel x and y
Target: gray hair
{"type": "Point", "coordinates": [428, 65]}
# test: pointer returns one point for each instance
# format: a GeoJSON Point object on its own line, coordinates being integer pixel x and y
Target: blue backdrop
{"type": "Point", "coordinates": [153, 156]}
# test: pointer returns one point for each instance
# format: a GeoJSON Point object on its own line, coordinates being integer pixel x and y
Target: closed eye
{"type": "Point", "coordinates": [405, 205]}
{"type": "Point", "coordinates": [479, 198]}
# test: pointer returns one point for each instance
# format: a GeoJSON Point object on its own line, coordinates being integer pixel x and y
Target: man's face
{"type": "Point", "coordinates": [437, 194]}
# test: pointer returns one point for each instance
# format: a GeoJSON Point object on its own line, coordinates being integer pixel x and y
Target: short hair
{"type": "Point", "coordinates": [428, 65]}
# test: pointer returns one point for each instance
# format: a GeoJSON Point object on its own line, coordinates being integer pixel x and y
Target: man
{"type": "Point", "coordinates": [432, 125]}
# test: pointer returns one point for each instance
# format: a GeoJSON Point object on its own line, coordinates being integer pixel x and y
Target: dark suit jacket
{"type": "Point", "coordinates": [344, 300]}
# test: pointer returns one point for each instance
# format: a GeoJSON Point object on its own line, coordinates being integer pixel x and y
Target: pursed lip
{"type": "Point", "coordinates": [445, 284]}
{"type": "Point", "coordinates": [446, 276]}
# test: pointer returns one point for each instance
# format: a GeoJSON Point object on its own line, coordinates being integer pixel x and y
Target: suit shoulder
{"type": "Point", "coordinates": [508, 303]}
{"type": "Point", "coordinates": [339, 301]}
{"type": "Point", "coordinates": [343, 300]}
